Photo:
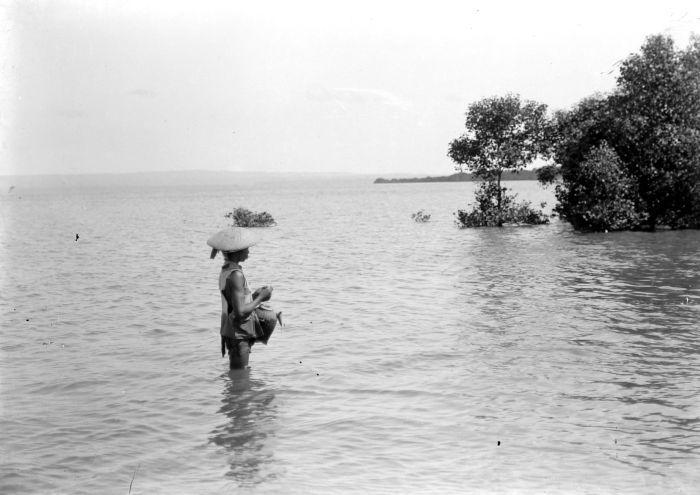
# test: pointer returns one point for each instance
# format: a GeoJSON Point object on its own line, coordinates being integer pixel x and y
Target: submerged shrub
{"type": "Point", "coordinates": [487, 213]}
{"type": "Point", "coordinates": [243, 217]}
{"type": "Point", "coordinates": [420, 216]}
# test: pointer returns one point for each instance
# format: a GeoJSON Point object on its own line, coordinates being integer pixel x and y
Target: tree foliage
{"type": "Point", "coordinates": [503, 133]}
{"type": "Point", "coordinates": [603, 196]}
{"type": "Point", "coordinates": [647, 134]}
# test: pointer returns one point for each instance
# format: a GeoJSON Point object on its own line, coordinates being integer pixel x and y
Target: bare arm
{"type": "Point", "coordinates": [241, 308]}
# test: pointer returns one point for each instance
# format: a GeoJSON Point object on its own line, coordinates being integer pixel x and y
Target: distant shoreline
{"type": "Point", "coordinates": [13, 184]}
{"type": "Point", "coordinates": [458, 177]}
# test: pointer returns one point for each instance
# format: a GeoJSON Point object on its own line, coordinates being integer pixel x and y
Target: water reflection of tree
{"type": "Point", "coordinates": [250, 412]}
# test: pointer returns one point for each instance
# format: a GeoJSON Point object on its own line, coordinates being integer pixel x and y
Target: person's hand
{"type": "Point", "coordinates": [265, 293]}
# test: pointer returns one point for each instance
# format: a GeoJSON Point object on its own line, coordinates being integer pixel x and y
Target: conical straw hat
{"type": "Point", "coordinates": [232, 239]}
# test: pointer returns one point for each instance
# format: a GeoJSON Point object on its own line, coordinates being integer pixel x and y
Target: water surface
{"type": "Point", "coordinates": [416, 358]}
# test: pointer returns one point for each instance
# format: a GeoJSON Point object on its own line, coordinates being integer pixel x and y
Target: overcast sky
{"type": "Point", "coordinates": [372, 87]}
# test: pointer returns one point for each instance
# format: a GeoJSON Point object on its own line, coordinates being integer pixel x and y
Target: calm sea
{"type": "Point", "coordinates": [416, 358]}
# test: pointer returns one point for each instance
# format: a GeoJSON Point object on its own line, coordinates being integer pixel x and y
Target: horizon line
{"type": "Point", "coordinates": [262, 172]}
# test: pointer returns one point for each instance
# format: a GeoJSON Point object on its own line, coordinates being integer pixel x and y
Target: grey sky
{"type": "Point", "coordinates": [375, 87]}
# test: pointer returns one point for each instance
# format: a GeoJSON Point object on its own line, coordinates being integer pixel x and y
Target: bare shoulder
{"type": "Point", "coordinates": [237, 279]}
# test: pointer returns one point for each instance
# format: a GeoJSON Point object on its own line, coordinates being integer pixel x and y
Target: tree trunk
{"type": "Point", "coordinates": [500, 215]}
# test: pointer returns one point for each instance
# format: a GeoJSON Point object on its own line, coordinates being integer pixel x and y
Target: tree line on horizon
{"type": "Point", "coordinates": [461, 177]}
{"type": "Point", "coordinates": [627, 160]}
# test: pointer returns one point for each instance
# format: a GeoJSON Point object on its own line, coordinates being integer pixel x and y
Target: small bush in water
{"type": "Point", "coordinates": [420, 216]}
{"type": "Point", "coordinates": [243, 217]}
{"type": "Point", "coordinates": [487, 213]}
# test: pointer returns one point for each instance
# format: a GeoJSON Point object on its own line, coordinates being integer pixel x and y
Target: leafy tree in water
{"type": "Point", "coordinates": [652, 124]}
{"type": "Point", "coordinates": [603, 196]}
{"type": "Point", "coordinates": [503, 134]}
{"type": "Point", "coordinates": [658, 104]}
{"type": "Point", "coordinates": [589, 168]}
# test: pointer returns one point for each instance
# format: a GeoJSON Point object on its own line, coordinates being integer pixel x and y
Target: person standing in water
{"type": "Point", "coordinates": [237, 303]}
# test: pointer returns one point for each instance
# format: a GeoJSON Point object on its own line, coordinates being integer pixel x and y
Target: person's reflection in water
{"type": "Point", "coordinates": [250, 412]}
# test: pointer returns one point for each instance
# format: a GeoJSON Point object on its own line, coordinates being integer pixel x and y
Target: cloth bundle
{"type": "Point", "coordinates": [265, 322]}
